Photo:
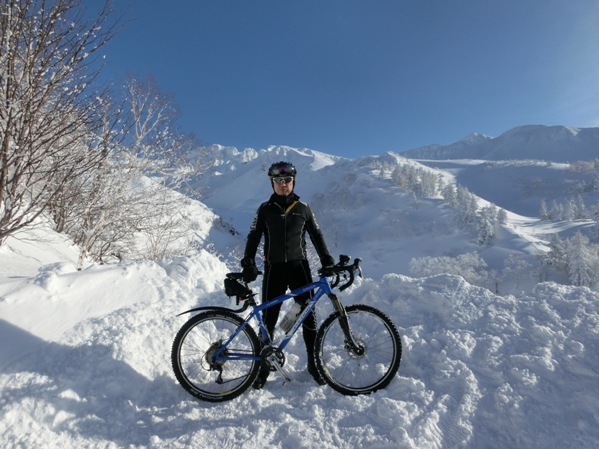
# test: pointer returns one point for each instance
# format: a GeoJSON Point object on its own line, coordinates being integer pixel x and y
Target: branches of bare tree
{"type": "Point", "coordinates": [49, 108]}
{"type": "Point", "coordinates": [100, 163]}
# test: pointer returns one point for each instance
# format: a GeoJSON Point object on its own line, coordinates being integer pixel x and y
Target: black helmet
{"type": "Point", "coordinates": [282, 168]}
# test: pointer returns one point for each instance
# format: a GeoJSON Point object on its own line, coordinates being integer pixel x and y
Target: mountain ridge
{"type": "Point", "coordinates": [554, 143]}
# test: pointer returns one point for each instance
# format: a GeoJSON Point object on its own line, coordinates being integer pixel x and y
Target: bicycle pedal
{"type": "Point", "coordinates": [286, 378]}
{"type": "Point", "coordinates": [279, 368]}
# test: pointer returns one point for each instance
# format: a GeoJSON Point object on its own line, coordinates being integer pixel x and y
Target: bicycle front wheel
{"type": "Point", "coordinates": [373, 365]}
{"type": "Point", "coordinates": [198, 368]}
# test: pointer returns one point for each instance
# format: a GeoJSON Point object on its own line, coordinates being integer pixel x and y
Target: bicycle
{"type": "Point", "coordinates": [217, 355]}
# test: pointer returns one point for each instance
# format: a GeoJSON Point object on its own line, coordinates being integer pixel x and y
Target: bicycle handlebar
{"type": "Point", "coordinates": [242, 292]}
{"type": "Point", "coordinates": [342, 267]}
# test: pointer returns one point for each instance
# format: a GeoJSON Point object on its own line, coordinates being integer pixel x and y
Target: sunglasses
{"type": "Point", "coordinates": [283, 179]}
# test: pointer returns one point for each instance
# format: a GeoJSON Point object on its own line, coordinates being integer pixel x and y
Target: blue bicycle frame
{"type": "Point", "coordinates": [321, 288]}
{"type": "Point", "coordinates": [221, 352]}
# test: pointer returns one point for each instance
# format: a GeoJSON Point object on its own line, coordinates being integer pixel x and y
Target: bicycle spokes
{"type": "Point", "coordinates": [217, 355]}
{"type": "Point", "coordinates": [206, 369]}
{"type": "Point", "coordinates": [360, 352]}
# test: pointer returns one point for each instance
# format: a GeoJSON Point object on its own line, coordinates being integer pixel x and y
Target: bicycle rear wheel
{"type": "Point", "coordinates": [202, 374]}
{"type": "Point", "coordinates": [353, 372]}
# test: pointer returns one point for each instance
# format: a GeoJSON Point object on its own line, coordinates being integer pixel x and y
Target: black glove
{"type": "Point", "coordinates": [327, 261]}
{"type": "Point", "coordinates": [250, 271]}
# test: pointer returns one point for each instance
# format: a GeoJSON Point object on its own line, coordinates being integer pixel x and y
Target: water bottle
{"type": "Point", "coordinates": [290, 317]}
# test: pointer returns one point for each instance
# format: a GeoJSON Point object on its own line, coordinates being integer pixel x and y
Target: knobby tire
{"type": "Point", "coordinates": [352, 373]}
{"type": "Point", "coordinates": [198, 372]}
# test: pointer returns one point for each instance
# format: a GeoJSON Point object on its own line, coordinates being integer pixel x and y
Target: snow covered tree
{"type": "Point", "coordinates": [502, 216]}
{"type": "Point", "coordinates": [557, 255]}
{"type": "Point", "coordinates": [429, 183]}
{"type": "Point", "coordinates": [473, 268]}
{"type": "Point", "coordinates": [576, 257]}
{"type": "Point", "coordinates": [570, 210]}
{"type": "Point", "coordinates": [48, 112]}
{"type": "Point", "coordinates": [486, 223]}
{"type": "Point", "coordinates": [556, 212]}
{"type": "Point", "coordinates": [516, 268]}
{"type": "Point", "coordinates": [543, 212]}
{"type": "Point", "coordinates": [417, 180]}
{"type": "Point", "coordinates": [580, 208]}
{"type": "Point", "coordinates": [124, 195]}
{"type": "Point", "coordinates": [449, 194]}
{"type": "Point", "coordinates": [401, 176]}
{"type": "Point", "coordinates": [542, 272]}
{"type": "Point", "coordinates": [165, 232]}
{"type": "Point", "coordinates": [467, 206]}
{"type": "Point", "coordinates": [583, 261]}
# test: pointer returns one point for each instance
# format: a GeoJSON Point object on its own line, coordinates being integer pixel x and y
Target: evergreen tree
{"type": "Point", "coordinates": [583, 261]}
{"type": "Point", "coordinates": [543, 212]}
{"type": "Point", "coordinates": [570, 210]}
{"type": "Point", "coordinates": [557, 255]}
{"type": "Point", "coordinates": [502, 216]}
{"type": "Point", "coordinates": [556, 211]}
{"type": "Point", "coordinates": [487, 220]}
{"type": "Point", "coordinates": [449, 194]}
{"type": "Point", "coordinates": [581, 210]}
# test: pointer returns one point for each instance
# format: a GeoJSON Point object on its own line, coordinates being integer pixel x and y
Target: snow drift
{"type": "Point", "coordinates": [85, 355]}
{"type": "Point", "coordinates": [86, 364]}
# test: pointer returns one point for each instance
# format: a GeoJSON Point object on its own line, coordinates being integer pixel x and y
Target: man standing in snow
{"type": "Point", "coordinates": [284, 220]}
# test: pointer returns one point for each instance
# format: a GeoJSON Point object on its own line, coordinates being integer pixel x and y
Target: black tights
{"type": "Point", "coordinates": [277, 278]}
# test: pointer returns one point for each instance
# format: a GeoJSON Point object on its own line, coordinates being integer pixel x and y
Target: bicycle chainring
{"type": "Point", "coordinates": [267, 353]}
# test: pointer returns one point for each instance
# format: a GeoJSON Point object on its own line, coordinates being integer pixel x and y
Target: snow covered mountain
{"type": "Point", "coordinates": [85, 361]}
{"type": "Point", "coordinates": [544, 143]}
{"type": "Point", "coordinates": [356, 204]}
{"type": "Point", "coordinates": [362, 209]}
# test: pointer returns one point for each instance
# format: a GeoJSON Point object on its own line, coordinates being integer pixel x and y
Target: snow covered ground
{"type": "Point", "coordinates": [85, 355]}
{"type": "Point", "coordinates": [85, 363]}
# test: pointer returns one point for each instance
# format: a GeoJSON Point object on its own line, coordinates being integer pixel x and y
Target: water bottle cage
{"type": "Point", "coordinates": [291, 317]}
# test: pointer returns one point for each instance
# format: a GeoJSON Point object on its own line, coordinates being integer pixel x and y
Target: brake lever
{"type": "Point", "coordinates": [357, 266]}
{"type": "Point", "coordinates": [336, 281]}
{"type": "Point", "coordinates": [351, 279]}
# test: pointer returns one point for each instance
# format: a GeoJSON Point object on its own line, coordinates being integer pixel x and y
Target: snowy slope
{"type": "Point", "coordinates": [88, 366]}
{"type": "Point", "coordinates": [358, 207]}
{"type": "Point", "coordinates": [520, 186]}
{"type": "Point", "coordinates": [87, 356]}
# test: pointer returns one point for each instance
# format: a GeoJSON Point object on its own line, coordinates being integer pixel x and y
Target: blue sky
{"type": "Point", "coordinates": [361, 77]}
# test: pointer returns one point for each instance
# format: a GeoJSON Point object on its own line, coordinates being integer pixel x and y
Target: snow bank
{"type": "Point", "coordinates": [89, 366]}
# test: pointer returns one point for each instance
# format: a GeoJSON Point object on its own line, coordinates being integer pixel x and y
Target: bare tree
{"type": "Point", "coordinates": [517, 268]}
{"type": "Point", "coordinates": [48, 109]}
{"type": "Point", "coordinates": [71, 201]}
{"type": "Point", "coordinates": [127, 195]}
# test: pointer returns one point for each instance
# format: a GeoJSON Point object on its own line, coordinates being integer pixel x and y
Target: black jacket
{"type": "Point", "coordinates": [284, 222]}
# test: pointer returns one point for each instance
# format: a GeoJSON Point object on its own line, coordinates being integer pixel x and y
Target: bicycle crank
{"type": "Point", "coordinates": [274, 359]}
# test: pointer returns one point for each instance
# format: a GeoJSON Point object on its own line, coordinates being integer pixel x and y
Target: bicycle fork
{"type": "Point", "coordinates": [350, 342]}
